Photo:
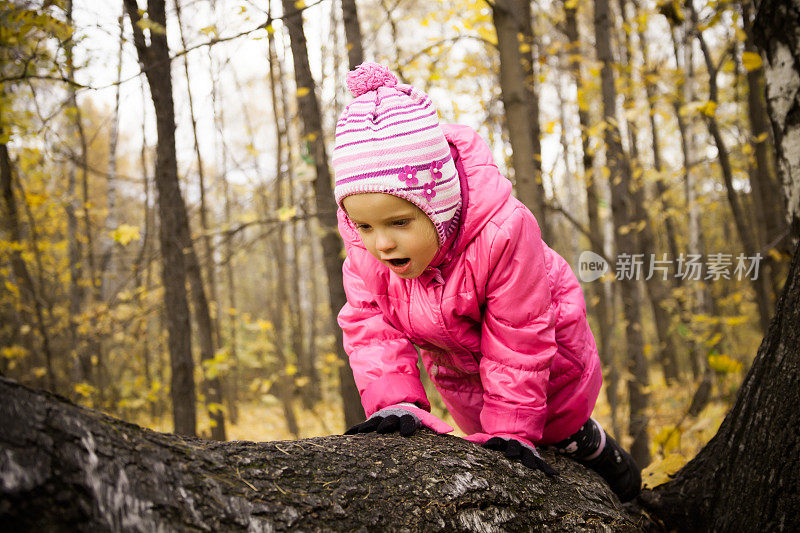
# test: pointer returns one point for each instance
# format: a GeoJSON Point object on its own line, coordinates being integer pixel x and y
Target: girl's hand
{"type": "Point", "coordinates": [514, 447]}
{"type": "Point", "coordinates": [405, 418]}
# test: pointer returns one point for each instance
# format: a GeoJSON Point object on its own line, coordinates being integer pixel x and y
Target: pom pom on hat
{"type": "Point", "coordinates": [368, 77]}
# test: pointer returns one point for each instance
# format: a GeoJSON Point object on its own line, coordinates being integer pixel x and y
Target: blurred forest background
{"type": "Point", "coordinates": [169, 253]}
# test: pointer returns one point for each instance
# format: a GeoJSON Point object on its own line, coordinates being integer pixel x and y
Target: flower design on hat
{"type": "Point", "coordinates": [436, 170]}
{"type": "Point", "coordinates": [427, 190]}
{"type": "Point", "coordinates": [408, 175]}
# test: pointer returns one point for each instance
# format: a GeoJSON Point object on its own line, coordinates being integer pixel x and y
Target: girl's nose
{"type": "Point", "coordinates": [384, 243]}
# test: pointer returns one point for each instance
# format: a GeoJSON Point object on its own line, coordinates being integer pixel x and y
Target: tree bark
{"type": "Point", "coordinates": [325, 203]}
{"type": "Point", "coordinates": [172, 213]}
{"type": "Point", "coordinates": [67, 468]}
{"type": "Point", "coordinates": [623, 213]}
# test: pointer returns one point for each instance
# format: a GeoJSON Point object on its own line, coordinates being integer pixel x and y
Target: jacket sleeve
{"type": "Point", "coordinates": [517, 332]}
{"type": "Point", "coordinates": [383, 360]}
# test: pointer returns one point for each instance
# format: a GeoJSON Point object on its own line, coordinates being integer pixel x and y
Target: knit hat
{"type": "Point", "coordinates": [388, 140]}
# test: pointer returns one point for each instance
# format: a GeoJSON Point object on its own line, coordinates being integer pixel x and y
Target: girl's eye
{"type": "Point", "coordinates": [362, 227]}
{"type": "Point", "coordinates": [401, 223]}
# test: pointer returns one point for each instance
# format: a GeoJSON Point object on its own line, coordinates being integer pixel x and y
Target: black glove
{"type": "Point", "coordinates": [405, 418]}
{"type": "Point", "coordinates": [527, 455]}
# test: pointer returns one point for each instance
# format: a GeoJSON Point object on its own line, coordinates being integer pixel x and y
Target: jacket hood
{"type": "Point", "coordinates": [484, 190]}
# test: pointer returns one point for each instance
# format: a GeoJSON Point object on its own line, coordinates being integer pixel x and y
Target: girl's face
{"type": "Point", "coordinates": [395, 231]}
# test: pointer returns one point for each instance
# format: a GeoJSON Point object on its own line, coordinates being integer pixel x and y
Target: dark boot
{"type": "Point", "coordinates": [618, 468]}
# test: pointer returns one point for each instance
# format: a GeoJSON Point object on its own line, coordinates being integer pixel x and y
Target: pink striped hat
{"type": "Point", "coordinates": [388, 140]}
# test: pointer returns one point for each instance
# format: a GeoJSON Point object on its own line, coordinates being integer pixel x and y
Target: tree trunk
{"type": "Point", "coordinates": [29, 295]}
{"type": "Point", "coordinates": [599, 304]}
{"type": "Point", "coordinates": [109, 263]}
{"type": "Point", "coordinates": [760, 284]}
{"type": "Point", "coordinates": [517, 111]}
{"type": "Point", "coordinates": [67, 468]}
{"type": "Point", "coordinates": [529, 60]}
{"type": "Point", "coordinates": [623, 212]}
{"type": "Point", "coordinates": [208, 247]}
{"type": "Point", "coordinates": [683, 94]}
{"type": "Point", "coordinates": [765, 189]}
{"type": "Point", "coordinates": [285, 385]}
{"type": "Point", "coordinates": [352, 31]}
{"type": "Point", "coordinates": [658, 288]}
{"type": "Point", "coordinates": [83, 370]}
{"type": "Point", "coordinates": [172, 213]}
{"type": "Point", "coordinates": [325, 203]}
{"type": "Point", "coordinates": [774, 33]}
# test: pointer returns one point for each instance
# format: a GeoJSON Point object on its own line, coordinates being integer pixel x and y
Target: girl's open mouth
{"type": "Point", "coordinates": [400, 266]}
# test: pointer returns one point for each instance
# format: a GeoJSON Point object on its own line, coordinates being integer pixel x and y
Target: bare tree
{"type": "Point", "coordinates": [599, 303]}
{"type": "Point", "coordinates": [623, 214]}
{"type": "Point", "coordinates": [516, 99]}
{"type": "Point", "coordinates": [323, 195]}
{"type": "Point", "coordinates": [172, 212]}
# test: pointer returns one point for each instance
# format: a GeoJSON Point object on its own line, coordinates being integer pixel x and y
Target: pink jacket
{"type": "Point", "coordinates": [499, 318]}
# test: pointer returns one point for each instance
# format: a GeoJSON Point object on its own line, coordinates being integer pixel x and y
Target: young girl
{"type": "Point", "coordinates": [441, 256]}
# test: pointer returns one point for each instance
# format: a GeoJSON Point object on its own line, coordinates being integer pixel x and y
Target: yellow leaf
{"type": "Point", "coordinates": [301, 381]}
{"type": "Point", "coordinates": [265, 325]}
{"type": "Point", "coordinates": [669, 438]}
{"type": "Point", "coordinates": [300, 4]}
{"type": "Point", "coordinates": [13, 352]}
{"type": "Point", "coordinates": [761, 138]}
{"type": "Point", "coordinates": [154, 27]}
{"type": "Point", "coordinates": [125, 233]}
{"type": "Point", "coordinates": [751, 61]}
{"type": "Point", "coordinates": [570, 4]}
{"type": "Point", "coordinates": [84, 389]}
{"type": "Point", "coordinates": [302, 91]}
{"type": "Point", "coordinates": [270, 29]}
{"type": "Point", "coordinates": [524, 48]}
{"type": "Point", "coordinates": [737, 320]}
{"type": "Point", "coordinates": [39, 371]}
{"type": "Point", "coordinates": [291, 369]}
{"type": "Point", "coordinates": [659, 471]}
{"type": "Point", "coordinates": [708, 109]}
{"type": "Point", "coordinates": [285, 213]}
{"type": "Point", "coordinates": [775, 254]}
{"type": "Point", "coordinates": [714, 340]}
{"type": "Point", "coordinates": [723, 364]}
